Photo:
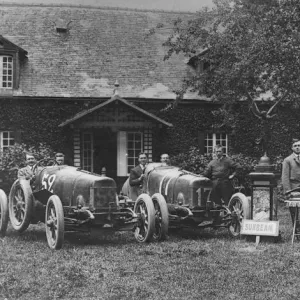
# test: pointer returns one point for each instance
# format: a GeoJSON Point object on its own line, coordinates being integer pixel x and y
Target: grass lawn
{"type": "Point", "coordinates": [203, 265]}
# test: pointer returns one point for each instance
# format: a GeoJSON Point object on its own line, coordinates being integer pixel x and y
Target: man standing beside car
{"type": "Point", "coordinates": [221, 170]}
{"type": "Point", "coordinates": [26, 172]}
{"type": "Point", "coordinates": [137, 175]}
{"type": "Point", "coordinates": [291, 172]}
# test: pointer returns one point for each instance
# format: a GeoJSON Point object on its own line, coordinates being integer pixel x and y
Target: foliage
{"type": "Point", "coordinates": [252, 50]}
{"type": "Point", "coordinates": [13, 159]}
{"type": "Point", "coordinates": [38, 121]}
{"type": "Point", "coordinates": [187, 123]}
{"type": "Point", "coordinates": [191, 160]}
{"type": "Point", "coordinates": [253, 46]}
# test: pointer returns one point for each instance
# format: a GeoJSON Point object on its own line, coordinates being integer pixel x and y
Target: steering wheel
{"type": "Point", "coordinates": [48, 160]}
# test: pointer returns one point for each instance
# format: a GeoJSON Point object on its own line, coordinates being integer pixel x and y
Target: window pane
{"type": "Point", "coordinates": [131, 161]}
{"type": "Point", "coordinates": [6, 67]}
{"type": "Point", "coordinates": [134, 147]}
{"type": "Point", "coordinates": [215, 139]}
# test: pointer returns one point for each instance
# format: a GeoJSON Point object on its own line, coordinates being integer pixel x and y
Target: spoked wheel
{"type": "Point", "coordinates": [240, 209]}
{"type": "Point", "coordinates": [146, 224]}
{"type": "Point", "coordinates": [3, 213]}
{"type": "Point", "coordinates": [161, 217]}
{"type": "Point", "coordinates": [20, 205]}
{"type": "Point", "coordinates": [55, 226]}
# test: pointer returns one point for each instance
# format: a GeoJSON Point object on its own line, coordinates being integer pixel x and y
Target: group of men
{"type": "Point", "coordinates": [220, 170]}
{"type": "Point", "coordinates": [27, 172]}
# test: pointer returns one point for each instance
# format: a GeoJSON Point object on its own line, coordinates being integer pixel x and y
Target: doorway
{"type": "Point", "coordinates": [105, 151]}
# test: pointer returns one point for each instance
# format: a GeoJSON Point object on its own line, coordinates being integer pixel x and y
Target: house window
{"type": "Point", "coordinates": [6, 71]}
{"type": "Point", "coordinates": [87, 154]}
{"type": "Point", "coordinates": [134, 147]}
{"type": "Point", "coordinates": [213, 139]}
{"type": "Point", "coordinates": [7, 139]}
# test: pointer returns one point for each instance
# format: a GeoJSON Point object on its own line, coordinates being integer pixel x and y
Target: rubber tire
{"type": "Point", "coordinates": [159, 200]}
{"type": "Point", "coordinates": [55, 242]}
{"type": "Point", "coordinates": [24, 185]}
{"type": "Point", "coordinates": [3, 213]}
{"type": "Point", "coordinates": [245, 212]}
{"type": "Point", "coordinates": [145, 201]}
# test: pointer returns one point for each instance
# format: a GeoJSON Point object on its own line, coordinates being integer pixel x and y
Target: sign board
{"type": "Point", "coordinates": [268, 228]}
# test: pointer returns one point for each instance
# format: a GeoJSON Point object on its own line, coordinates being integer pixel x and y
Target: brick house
{"type": "Point", "coordinates": [61, 55]}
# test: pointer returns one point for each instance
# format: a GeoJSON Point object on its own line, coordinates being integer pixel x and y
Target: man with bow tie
{"type": "Point", "coordinates": [137, 176]}
{"type": "Point", "coordinates": [26, 172]}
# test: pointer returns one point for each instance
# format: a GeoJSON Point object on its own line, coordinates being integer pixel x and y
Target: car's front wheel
{"type": "Point", "coordinates": [3, 213]}
{"type": "Point", "coordinates": [161, 217]}
{"type": "Point", "coordinates": [54, 222]}
{"type": "Point", "coordinates": [20, 205]}
{"type": "Point", "coordinates": [146, 218]}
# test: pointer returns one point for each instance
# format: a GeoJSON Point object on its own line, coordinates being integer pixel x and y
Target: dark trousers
{"type": "Point", "coordinates": [221, 190]}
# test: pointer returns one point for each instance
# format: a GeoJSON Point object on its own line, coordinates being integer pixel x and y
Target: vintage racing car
{"type": "Point", "coordinates": [66, 198]}
{"type": "Point", "coordinates": [182, 199]}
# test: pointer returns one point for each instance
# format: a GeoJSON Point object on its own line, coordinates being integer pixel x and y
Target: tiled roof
{"type": "Point", "coordinates": [101, 45]}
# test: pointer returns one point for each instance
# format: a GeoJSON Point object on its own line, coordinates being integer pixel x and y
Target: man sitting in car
{"type": "Point", "coordinates": [165, 159]}
{"type": "Point", "coordinates": [26, 172]}
{"type": "Point", "coordinates": [136, 176]}
{"type": "Point", "coordinates": [59, 159]}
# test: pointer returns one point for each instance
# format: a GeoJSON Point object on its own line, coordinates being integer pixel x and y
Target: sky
{"type": "Point", "coordinates": [177, 5]}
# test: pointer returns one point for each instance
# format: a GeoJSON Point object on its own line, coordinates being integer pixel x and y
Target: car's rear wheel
{"type": "Point", "coordinates": [20, 205]}
{"type": "Point", "coordinates": [3, 213]}
{"type": "Point", "coordinates": [161, 217]}
{"type": "Point", "coordinates": [54, 221]}
{"type": "Point", "coordinates": [144, 208]}
{"type": "Point", "coordinates": [240, 209]}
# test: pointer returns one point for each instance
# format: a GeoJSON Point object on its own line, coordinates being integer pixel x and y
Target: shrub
{"type": "Point", "coordinates": [13, 158]}
{"type": "Point", "coordinates": [191, 160]}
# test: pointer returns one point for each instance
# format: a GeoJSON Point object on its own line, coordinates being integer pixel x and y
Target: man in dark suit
{"type": "Point", "coordinates": [221, 170]}
{"type": "Point", "coordinates": [137, 175]}
{"type": "Point", "coordinates": [26, 172]}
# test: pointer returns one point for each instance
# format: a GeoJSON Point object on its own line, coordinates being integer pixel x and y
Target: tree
{"type": "Point", "coordinates": [252, 49]}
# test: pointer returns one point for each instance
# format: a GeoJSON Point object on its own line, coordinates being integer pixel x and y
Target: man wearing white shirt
{"type": "Point", "coordinates": [26, 172]}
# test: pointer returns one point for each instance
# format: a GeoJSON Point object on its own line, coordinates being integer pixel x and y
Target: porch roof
{"type": "Point", "coordinates": [113, 99]}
